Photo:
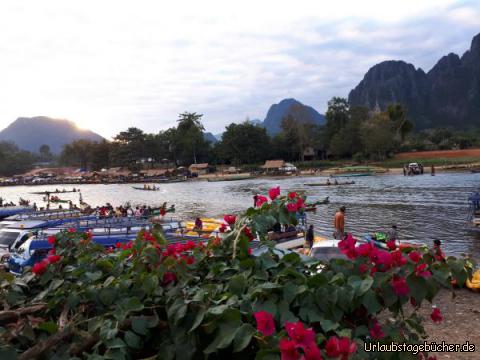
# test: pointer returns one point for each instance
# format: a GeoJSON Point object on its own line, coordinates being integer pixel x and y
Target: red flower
{"type": "Point", "coordinates": [190, 245]}
{"type": "Point", "coordinates": [52, 259]}
{"type": "Point", "coordinates": [373, 270]}
{"type": "Point", "coordinates": [398, 258]}
{"type": "Point", "coordinates": [40, 267]}
{"type": "Point", "coordinates": [260, 200]}
{"type": "Point", "coordinates": [118, 245]}
{"type": "Point", "coordinates": [292, 207]}
{"type": "Point", "coordinates": [363, 268]}
{"type": "Point", "coordinates": [415, 256]}
{"type": "Point", "coordinates": [300, 203]}
{"type": "Point", "coordinates": [400, 286]}
{"type": "Point", "coordinates": [52, 251]}
{"type": "Point", "coordinates": [288, 350]}
{"type": "Point", "coordinates": [249, 234]}
{"type": "Point", "coordinates": [292, 195]}
{"type": "Point", "coordinates": [391, 244]}
{"type": "Point", "coordinates": [222, 228]}
{"type": "Point", "coordinates": [230, 219]}
{"type": "Point", "coordinates": [413, 302]}
{"type": "Point", "coordinates": [168, 278]}
{"type": "Point", "coordinates": [365, 249]}
{"type": "Point", "coordinates": [51, 240]}
{"type": "Point", "coordinates": [346, 347]}
{"type": "Point", "coordinates": [273, 193]}
{"type": "Point", "coordinates": [109, 249]}
{"type": "Point", "coordinates": [162, 212]}
{"type": "Point", "coordinates": [382, 258]}
{"type": "Point", "coordinates": [71, 230]}
{"type": "Point", "coordinates": [299, 334]}
{"type": "Point", "coordinates": [265, 324]}
{"type": "Point", "coordinates": [436, 315]}
{"type": "Point", "coordinates": [376, 331]}
{"type": "Point", "coordinates": [347, 247]}
{"type": "Point", "coordinates": [432, 358]}
{"type": "Point", "coordinates": [89, 235]}
{"type": "Point", "coordinates": [249, 251]}
{"type": "Point", "coordinates": [420, 270]}
{"type": "Point", "coordinates": [147, 236]}
{"type": "Point", "coordinates": [332, 347]}
{"type": "Point", "coordinates": [312, 352]}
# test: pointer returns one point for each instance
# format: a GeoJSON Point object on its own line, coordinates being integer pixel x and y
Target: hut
{"type": "Point", "coordinates": [199, 169]}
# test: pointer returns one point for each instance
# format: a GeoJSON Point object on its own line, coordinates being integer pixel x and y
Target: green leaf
{"type": "Point", "coordinates": [418, 287]}
{"type": "Point", "coordinates": [371, 303]}
{"type": "Point", "coordinates": [55, 284]}
{"type": "Point", "coordinates": [8, 353]}
{"type": "Point", "coordinates": [93, 276]}
{"type": "Point", "coordinates": [133, 304]}
{"type": "Point", "coordinates": [237, 284]}
{"type": "Point", "coordinates": [107, 296]}
{"type": "Point", "coordinates": [265, 354]}
{"type": "Point", "coordinates": [140, 325]}
{"type": "Point", "coordinates": [116, 343]}
{"type": "Point", "coordinates": [243, 337]}
{"type": "Point", "coordinates": [218, 310]}
{"type": "Point", "coordinates": [133, 340]}
{"type": "Point", "coordinates": [49, 327]}
{"type": "Point", "coordinates": [198, 318]}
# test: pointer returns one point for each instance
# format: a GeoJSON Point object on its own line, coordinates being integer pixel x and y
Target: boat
{"type": "Point", "coordinates": [313, 206]}
{"type": "Point", "coordinates": [330, 184]}
{"type": "Point", "coordinates": [7, 211]}
{"type": "Point", "coordinates": [230, 178]}
{"type": "Point", "coordinates": [382, 244]}
{"type": "Point", "coordinates": [54, 200]}
{"type": "Point", "coordinates": [146, 189]}
{"type": "Point", "coordinates": [54, 192]}
{"type": "Point", "coordinates": [475, 171]}
{"type": "Point", "coordinates": [474, 283]}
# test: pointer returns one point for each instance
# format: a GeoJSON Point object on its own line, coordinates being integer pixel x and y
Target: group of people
{"type": "Point", "coordinates": [127, 210]}
{"type": "Point", "coordinates": [4, 203]}
{"type": "Point", "coordinates": [148, 187]}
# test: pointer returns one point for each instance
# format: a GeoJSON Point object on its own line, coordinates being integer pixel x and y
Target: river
{"type": "Point", "coordinates": [423, 207]}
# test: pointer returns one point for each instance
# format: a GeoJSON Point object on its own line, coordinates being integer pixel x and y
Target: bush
{"type": "Point", "coordinates": [148, 299]}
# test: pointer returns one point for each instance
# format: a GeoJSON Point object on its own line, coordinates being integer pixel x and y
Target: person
{"type": "Point", "coordinates": [198, 224]}
{"type": "Point", "coordinates": [392, 233]}
{"type": "Point", "coordinates": [328, 182]}
{"type": "Point", "coordinates": [255, 198]}
{"type": "Point", "coordinates": [70, 204]}
{"type": "Point", "coordinates": [277, 227]}
{"type": "Point", "coordinates": [339, 223]}
{"type": "Point", "coordinates": [404, 170]}
{"type": "Point", "coordinates": [336, 182]}
{"type": "Point", "coordinates": [432, 171]}
{"type": "Point", "coordinates": [437, 251]}
{"type": "Point", "coordinates": [1, 201]}
{"type": "Point", "coordinates": [310, 236]}
{"type": "Point", "coordinates": [35, 207]}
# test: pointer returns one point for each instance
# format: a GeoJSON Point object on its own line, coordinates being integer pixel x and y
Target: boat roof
{"type": "Point", "coordinates": [27, 224]}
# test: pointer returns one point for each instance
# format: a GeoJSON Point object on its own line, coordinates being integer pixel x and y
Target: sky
{"type": "Point", "coordinates": [110, 65]}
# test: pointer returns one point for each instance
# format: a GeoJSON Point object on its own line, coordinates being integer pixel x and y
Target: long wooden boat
{"type": "Point", "coordinates": [351, 174]}
{"type": "Point", "coordinates": [53, 192]}
{"type": "Point", "coordinates": [145, 189]}
{"type": "Point", "coordinates": [331, 184]}
{"type": "Point", "coordinates": [230, 178]}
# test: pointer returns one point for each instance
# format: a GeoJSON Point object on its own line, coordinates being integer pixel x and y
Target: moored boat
{"type": "Point", "coordinates": [331, 184]}
{"type": "Point", "coordinates": [230, 178]}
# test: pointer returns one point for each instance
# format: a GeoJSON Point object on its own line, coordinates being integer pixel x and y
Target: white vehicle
{"type": "Point", "coordinates": [325, 250]}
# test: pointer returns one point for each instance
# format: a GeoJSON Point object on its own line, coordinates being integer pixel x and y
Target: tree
{"type": "Point", "coordinates": [129, 147]}
{"type": "Point", "coordinates": [77, 153]}
{"type": "Point", "coordinates": [13, 160]}
{"type": "Point", "coordinates": [245, 143]}
{"type": "Point", "coordinates": [45, 154]}
{"type": "Point", "coordinates": [377, 134]}
{"type": "Point", "coordinates": [189, 137]}
{"type": "Point", "coordinates": [337, 116]}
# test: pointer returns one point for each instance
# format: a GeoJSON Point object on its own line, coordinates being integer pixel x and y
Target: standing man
{"type": "Point", "coordinates": [310, 236]}
{"type": "Point", "coordinates": [339, 224]}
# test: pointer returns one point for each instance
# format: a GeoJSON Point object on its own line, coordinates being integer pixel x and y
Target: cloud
{"type": "Point", "coordinates": [112, 64]}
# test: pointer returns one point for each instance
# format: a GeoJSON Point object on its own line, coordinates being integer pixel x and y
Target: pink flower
{"type": "Point", "coordinates": [292, 207]}
{"type": "Point", "coordinates": [299, 334]}
{"type": "Point", "coordinates": [400, 286]}
{"type": "Point", "coordinates": [71, 230]}
{"type": "Point", "coordinates": [273, 193]}
{"type": "Point", "coordinates": [382, 258]}
{"type": "Point", "coordinates": [292, 195]}
{"type": "Point", "coordinates": [398, 258]}
{"type": "Point", "coordinates": [300, 203]}
{"type": "Point", "coordinates": [230, 219]}
{"type": "Point", "coordinates": [312, 352]}
{"type": "Point", "coordinates": [336, 347]}
{"type": "Point", "coordinates": [40, 267]}
{"type": "Point", "coordinates": [347, 247]}
{"type": "Point", "coordinates": [261, 200]}
{"type": "Point", "coordinates": [265, 323]}
{"type": "Point", "coordinates": [436, 315]}
{"type": "Point", "coordinates": [365, 249]}
{"type": "Point", "coordinates": [332, 347]}
{"type": "Point", "coordinates": [168, 278]}
{"type": "Point", "coordinates": [52, 259]}
{"type": "Point", "coordinates": [288, 350]}
{"type": "Point", "coordinates": [420, 270]}
{"type": "Point", "coordinates": [376, 331]}
{"type": "Point", "coordinates": [415, 256]}
{"type": "Point", "coordinates": [51, 240]}
{"type": "Point", "coordinates": [391, 245]}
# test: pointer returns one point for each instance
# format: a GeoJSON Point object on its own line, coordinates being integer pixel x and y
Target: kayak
{"type": "Point", "coordinates": [141, 188]}
{"type": "Point", "coordinates": [53, 192]}
{"type": "Point", "coordinates": [474, 283]}
{"type": "Point", "coordinates": [383, 244]}
{"type": "Point", "coordinates": [331, 184]}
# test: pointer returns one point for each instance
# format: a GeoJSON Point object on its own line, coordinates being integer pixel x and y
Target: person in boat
{"type": "Point", "coordinates": [339, 223]}
{"type": "Point", "coordinates": [35, 207]}
{"type": "Point", "coordinates": [1, 201]}
{"type": "Point", "coordinates": [336, 182]}
{"type": "Point", "coordinates": [70, 204]}
{"type": "Point", "coordinates": [432, 170]}
{"type": "Point", "coordinates": [328, 182]}
{"type": "Point", "coordinates": [74, 190]}
{"type": "Point", "coordinates": [437, 251]}
{"type": "Point", "coordinates": [392, 233]}
{"type": "Point", "coordinates": [60, 207]}
{"type": "Point", "coordinates": [310, 236]}
{"type": "Point", "coordinates": [198, 224]}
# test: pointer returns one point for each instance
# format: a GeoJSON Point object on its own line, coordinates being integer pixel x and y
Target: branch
{"type": "Point", "coordinates": [236, 240]}
{"type": "Point", "coordinates": [14, 315]}
{"type": "Point", "coordinates": [37, 350]}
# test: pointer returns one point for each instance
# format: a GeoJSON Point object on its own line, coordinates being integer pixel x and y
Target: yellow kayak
{"type": "Point", "coordinates": [474, 283]}
{"type": "Point", "coordinates": [206, 226]}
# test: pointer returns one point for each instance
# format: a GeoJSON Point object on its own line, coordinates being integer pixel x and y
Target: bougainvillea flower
{"type": "Point", "coordinates": [168, 278]}
{"type": "Point", "coordinates": [300, 203]}
{"type": "Point", "coordinates": [312, 352]}
{"type": "Point", "coordinates": [51, 240]}
{"type": "Point", "coordinates": [147, 236]}
{"type": "Point", "coordinates": [363, 268]}
{"type": "Point", "coordinates": [52, 259]}
{"type": "Point", "coordinates": [415, 256]}
{"type": "Point", "coordinates": [421, 270]}
{"type": "Point", "coordinates": [288, 350]}
{"type": "Point", "coordinates": [299, 334]}
{"type": "Point", "coordinates": [382, 258]}
{"type": "Point", "coordinates": [292, 207]}
{"type": "Point", "coordinates": [273, 193]}
{"type": "Point", "coordinates": [118, 245]}
{"type": "Point", "coordinates": [436, 315]}
{"type": "Point", "coordinates": [265, 323]}
{"type": "Point", "coordinates": [222, 228]}
{"type": "Point", "coordinates": [365, 249]}
{"type": "Point", "coordinates": [346, 347]}
{"type": "Point", "coordinates": [260, 200]}
{"type": "Point", "coordinates": [400, 286]}
{"type": "Point", "coordinates": [398, 258]}
{"type": "Point", "coordinates": [332, 347]}
{"type": "Point", "coordinates": [230, 219]}
{"type": "Point", "coordinates": [376, 331]}
{"type": "Point", "coordinates": [71, 230]}
{"type": "Point", "coordinates": [347, 247]}
{"type": "Point", "coordinates": [292, 195]}
{"type": "Point", "coordinates": [40, 267]}
{"type": "Point", "coordinates": [162, 212]}
{"type": "Point", "coordinates": [391, 244]}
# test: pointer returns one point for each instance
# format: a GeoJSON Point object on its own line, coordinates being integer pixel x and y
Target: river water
{"type": "Point", "coordinates": [423, 207]}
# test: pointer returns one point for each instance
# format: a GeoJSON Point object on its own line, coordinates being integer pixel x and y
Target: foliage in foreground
{"type": "Point", "coordinates": [147, 299]}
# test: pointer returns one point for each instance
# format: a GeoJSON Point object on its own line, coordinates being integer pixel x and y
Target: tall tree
{"type": "Point", "coordinates": [189, 137]}
{"type": "Point", "coordinates": [45, 153]}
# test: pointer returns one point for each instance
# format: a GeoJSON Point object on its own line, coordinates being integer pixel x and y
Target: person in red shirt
{"type": "Point", "coordinates": [437, 251]}
{"type": "Point", "coordinates": [339, 224]}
